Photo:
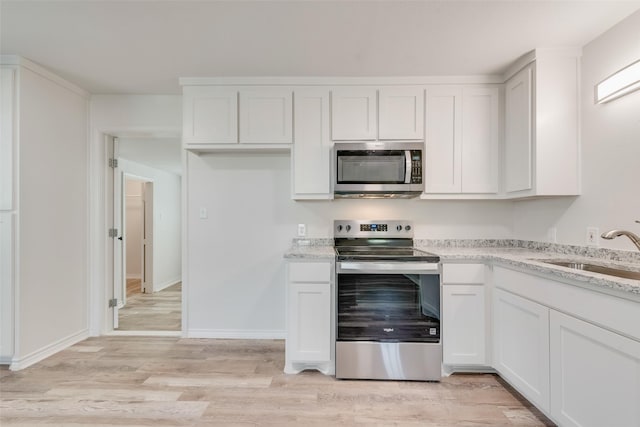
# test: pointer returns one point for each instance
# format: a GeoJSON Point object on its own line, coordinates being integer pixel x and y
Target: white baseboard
{"type": "Point", "coordinates": [237, 334]}
{"type": "Point", "coordinates": [48, 350]}
{"type": "Point", "coordinates": [166, 284]}
{"type": "Point", "coordinates": [5, 360]}
{"type": "Point", "coordinates": [134, 276]}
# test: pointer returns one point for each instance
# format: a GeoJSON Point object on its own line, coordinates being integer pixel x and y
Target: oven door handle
{"type": "Point", "coordinates": [388, 267]}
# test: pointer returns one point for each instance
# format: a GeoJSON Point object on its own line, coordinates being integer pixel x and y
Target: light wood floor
{"type": "Point", "coordinates": [158, 311]}
{"type": "Point", "coordinates": [164, 381]}
{"type": "Point", "coordinates": [134, 286]}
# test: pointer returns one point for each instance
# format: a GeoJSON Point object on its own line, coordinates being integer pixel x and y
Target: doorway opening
{"type": "Point", "coordinates": [147, 277]}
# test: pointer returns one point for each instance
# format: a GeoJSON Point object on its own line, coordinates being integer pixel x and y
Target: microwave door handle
{"type": "Point", "coordinates": [407, 167]}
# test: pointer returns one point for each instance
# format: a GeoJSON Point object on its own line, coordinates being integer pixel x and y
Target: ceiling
{"type": "Point", "coordinates": [143, 47]}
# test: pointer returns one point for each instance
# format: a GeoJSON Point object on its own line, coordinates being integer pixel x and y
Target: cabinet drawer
{"type": "Point", "coordinates": [310, 272]}
{"type": "Point", "coordinates": [462, 273]}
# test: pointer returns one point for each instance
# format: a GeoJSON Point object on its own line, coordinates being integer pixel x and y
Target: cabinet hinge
{"type": "Point", "coordinates": [113, 163]}
{"type": "Point", "coordinates": [113, 302]}
{"type": "Point", "coordinates": [113, 233]}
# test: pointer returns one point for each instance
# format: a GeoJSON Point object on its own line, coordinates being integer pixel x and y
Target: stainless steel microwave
{"type": "Point", "coordinates": [378, 169]}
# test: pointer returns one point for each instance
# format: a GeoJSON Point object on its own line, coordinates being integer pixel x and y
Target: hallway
{"type": "Point", "coordinates": [159, 311]}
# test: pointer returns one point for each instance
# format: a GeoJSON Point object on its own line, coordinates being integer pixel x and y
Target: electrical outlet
{"type": "Point", "coordinates": [203, 213]}
{"type": "Point", "coordinates": [302, 230]}
{"type": "Point", "coordinates": [593, 234]}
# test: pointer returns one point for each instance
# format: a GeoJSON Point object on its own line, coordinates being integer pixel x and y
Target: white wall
{"type": "Point", "coordinates": [235, 277]}
{"type": "Point", "coordinates": [610, 154]}
{"type": "Point", "coordinates": [51, 291]}
{"type": "Point", "coordinates": [167, 222]}
{"type": "Point", "coordinates": [124, 116]}
{"type": "Point", "coordinates": [134, 226]}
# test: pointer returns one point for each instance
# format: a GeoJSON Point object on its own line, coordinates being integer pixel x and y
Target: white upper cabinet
{"type": "Point", "coordinates": [401, 113]}
{"type": "Point", "coordinates": [368, 114]}
{"type": "Point", "coordinates": [266, 116]}
{"type": "Point", "coordinates": [518, 104]}
{"type": "Point", "coordinates": [354, 114]}
{"type": "Point", "coordinates": [462, 140]}
{"type": "Point", "coordinates": [7, 116]}
{"type": "Point", "coordinates": [480, 140]}
{"type": "Point", "coordinates": [311, 159]}
{"type": "Point", "coordinates": [444, 140]}
{"type": "Point", "coordinates": [210, 115]}
{"type": "Point", "coordinates": [541, 125]}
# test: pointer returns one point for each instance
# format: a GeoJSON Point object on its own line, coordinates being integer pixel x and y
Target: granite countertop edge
{"type": "Point", "coordinates": [516, 254]}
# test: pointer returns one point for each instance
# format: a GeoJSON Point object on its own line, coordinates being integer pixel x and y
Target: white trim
{"type": "Point", "coordinates": [134, 276]}
{"type": "Point", "coordinates": [43, 72]}
{"type": "Point", "coordinates": [48, 350]}
{"type": "Point", "coordinates": [340, 81]}
{"type": "Point", "coordinates": [166, 284]}
{"type": "Point", "coordinates": [243, 334]}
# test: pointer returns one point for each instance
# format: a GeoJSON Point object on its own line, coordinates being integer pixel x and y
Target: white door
{"type": "Point", "coordinates": [147, 238]}
{"type": "Point", "coordinates": [354, 114]}
{"type": "Point", "coordinates": [463, 325]}
{"type": "Point", "coordinates": [115, 189]}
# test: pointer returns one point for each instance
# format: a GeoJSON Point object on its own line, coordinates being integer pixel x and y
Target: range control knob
{"type": "Point", "coordinates": [348, 228]}
{"type": "Point", "coordinates": [339, 227]}
{"type": "Point", "coordinates": [407, 227]}
{"type": "Point", "coordinates": [399, 227]}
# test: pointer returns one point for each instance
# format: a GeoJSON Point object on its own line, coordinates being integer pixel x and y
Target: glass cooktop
{"type": "Point", "coordinates": [377, 253]}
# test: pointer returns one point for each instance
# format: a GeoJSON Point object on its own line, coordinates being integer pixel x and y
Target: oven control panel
{"type": "Point", "coordinates": [372, 228]}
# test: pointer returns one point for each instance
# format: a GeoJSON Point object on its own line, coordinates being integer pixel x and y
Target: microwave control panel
{"type": "Point", "coordinates": [416, 166]}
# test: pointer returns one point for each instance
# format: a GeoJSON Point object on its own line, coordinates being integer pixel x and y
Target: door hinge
{"type": "Point", "coordinates": [113, 302]}
{"type": "Point", "coordinates": [113, 233]}
{"type": "Point", "coordinates": [113, 163]}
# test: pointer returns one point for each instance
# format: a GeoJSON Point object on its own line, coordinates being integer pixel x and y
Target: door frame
{"type": "Point", "coordinates": [100, 260]}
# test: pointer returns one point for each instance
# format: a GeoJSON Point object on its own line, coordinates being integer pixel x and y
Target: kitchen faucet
{"type": "Point", "coordinates": [612, 234]}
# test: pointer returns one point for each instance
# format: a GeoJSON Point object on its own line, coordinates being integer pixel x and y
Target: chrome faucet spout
{"type": "Point", "coordinates": [612, 234]}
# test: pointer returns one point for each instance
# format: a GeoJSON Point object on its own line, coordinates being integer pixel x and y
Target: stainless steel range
{"type": "Point", "coordinates": [388, 303]}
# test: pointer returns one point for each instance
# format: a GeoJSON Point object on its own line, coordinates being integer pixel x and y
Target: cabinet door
{"type": "Point", "coordinates": [401, 113]}
{"type": "Point", "coordinates": [595, 375]}
{"type": "Point", "coordinates": [518, 132]}
{"type": "Point", "coordinates": [521, 345]}
{"type": "Point", "coordinates": [7, 292]}
{"type": "Point", "coordinates": [443, 140]}
{"type": "Point", "coordinates": [309, 319]}
{"type": "Point", "coordinates": [354, 114]}
{"type": "Point", "coordinates": [463, 325]}
{"type": "Point", "coordinates": [210, 115]}
{"type": "Point", "coordinates": [480, 140]}
{"type": "Point", "coordinates": [266, 116]}
{"type": "Point", "coordinates": [312, 145]}
{"type": "Point", "coordinates": [7, 116]}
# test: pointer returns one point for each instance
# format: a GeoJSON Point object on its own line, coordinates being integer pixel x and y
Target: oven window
{"type": "Point", "coordinates": [388, 307]}
{"type": "Point", "coordinates": [380, 168]}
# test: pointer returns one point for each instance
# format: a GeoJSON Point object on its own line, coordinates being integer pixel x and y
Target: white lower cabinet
{"type": "Point", "coordinates": [309, 318]}
{"type": "Point", "coordinates": [595, 375]}
{"type": "Point", "coordinates": [521, 345]}
{"type": "Point", "coordinates": [464, 317]}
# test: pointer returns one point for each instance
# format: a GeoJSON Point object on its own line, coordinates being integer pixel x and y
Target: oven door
{"type": "Point", "coordinates": [388, 321]}
{"type": "Point", "coordinates": [388, 302]}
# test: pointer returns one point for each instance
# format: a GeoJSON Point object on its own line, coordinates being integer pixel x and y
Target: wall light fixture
{"type": "Point", "coordinates": [618, 84]}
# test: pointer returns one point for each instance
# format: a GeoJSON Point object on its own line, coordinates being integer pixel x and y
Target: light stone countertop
{"type": "Point", "coordinates": [526, 256]}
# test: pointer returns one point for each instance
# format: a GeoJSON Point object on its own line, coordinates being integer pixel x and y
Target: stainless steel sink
{"type": "Point", "coordinates": [609, 271]}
